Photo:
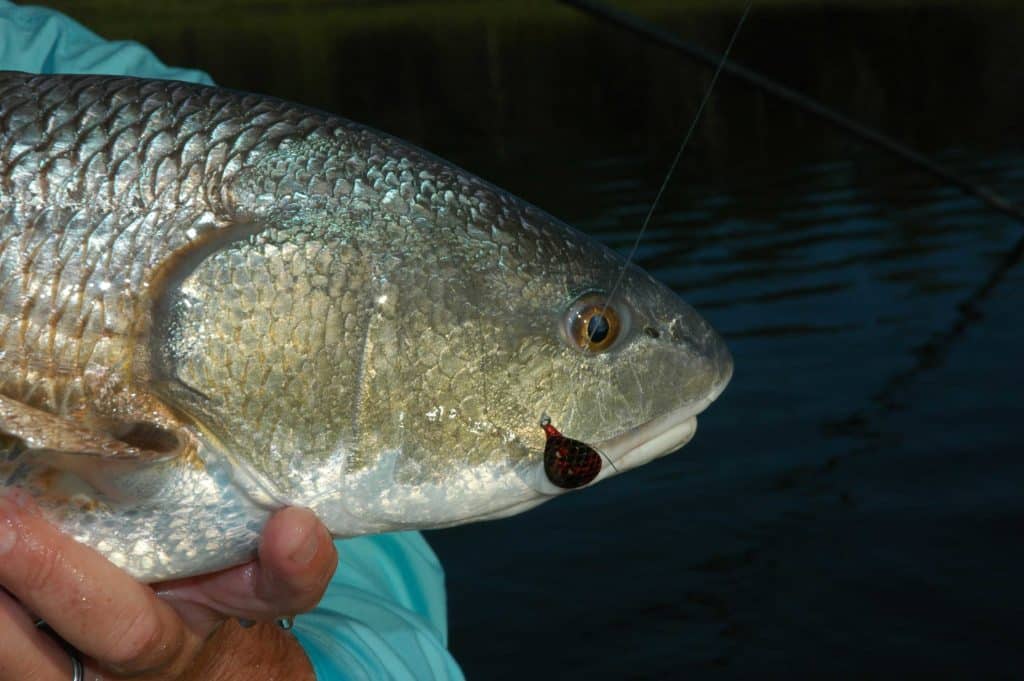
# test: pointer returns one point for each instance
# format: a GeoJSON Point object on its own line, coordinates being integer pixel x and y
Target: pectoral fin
{"type": "Point", "coordinates": [100, 459]}
{"type": "Point", "coordinates": [43, 432]}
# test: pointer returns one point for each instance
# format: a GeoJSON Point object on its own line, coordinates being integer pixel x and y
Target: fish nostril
{"type": "Point", "coordinates": [680, 334]}
{"type": "Point", "coordinates": [676, 332]}
{"type": "Point", "coordinates": [652, 332]}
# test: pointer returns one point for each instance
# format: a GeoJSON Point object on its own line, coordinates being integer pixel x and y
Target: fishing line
{"type": "Point", "coordinates": [678, 156]}
{"type": "Point", "coordinates": [545, 421]}
{"type": "Point", "coordinates": [556, 442]}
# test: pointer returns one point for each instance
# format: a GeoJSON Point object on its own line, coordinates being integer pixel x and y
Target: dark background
{"type": "Point", "coordinates": [853, 504]}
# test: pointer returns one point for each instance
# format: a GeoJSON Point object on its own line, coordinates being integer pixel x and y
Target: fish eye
{"type": "Point", "coordinates": [593, 324]}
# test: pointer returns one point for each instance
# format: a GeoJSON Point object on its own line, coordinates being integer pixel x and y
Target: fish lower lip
{"type": "Point", "coordinates": [651, 440]}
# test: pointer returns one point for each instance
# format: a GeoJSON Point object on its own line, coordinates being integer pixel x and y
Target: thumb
{"type": "Point", "coordinates": [295, 562]}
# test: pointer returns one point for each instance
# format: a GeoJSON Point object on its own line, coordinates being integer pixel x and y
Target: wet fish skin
{"type": "Point", "coordinates": [259, 304]}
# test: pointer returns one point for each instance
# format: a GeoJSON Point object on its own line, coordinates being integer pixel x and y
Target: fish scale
{"type": "Point", "coordinates": [214, 304]}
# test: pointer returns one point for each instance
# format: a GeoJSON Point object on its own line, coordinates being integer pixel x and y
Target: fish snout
{"type": "Point", "coordinates": [720, 363]}
{"type": "Point", "coordinates": [706, 362]}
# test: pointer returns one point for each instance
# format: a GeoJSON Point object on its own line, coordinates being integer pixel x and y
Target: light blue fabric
{"type": "Point", "coordinates": [384, 614]}
{"type": "Point", "coordinates": [39, 40]}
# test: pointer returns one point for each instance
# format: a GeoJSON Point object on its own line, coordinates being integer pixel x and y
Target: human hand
{"type": "Point", "coordinates": [172, 631]}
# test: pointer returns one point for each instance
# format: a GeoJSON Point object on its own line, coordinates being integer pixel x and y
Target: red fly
{"type": "Point", "coordinates": [568, 463]}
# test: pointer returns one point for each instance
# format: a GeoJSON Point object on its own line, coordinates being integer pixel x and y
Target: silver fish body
{"type": "Point", "coordinates": [214, 304]}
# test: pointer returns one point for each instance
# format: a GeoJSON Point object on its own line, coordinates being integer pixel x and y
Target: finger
{"type": "Point", "coordinates": [87, 600]}
{"type": "Point", "coordinates": [296, 561]}
{"type": "Point", "coordinates": [28, 654]}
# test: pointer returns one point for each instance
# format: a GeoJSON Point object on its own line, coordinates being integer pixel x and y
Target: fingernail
{"type": "Point", "coordinates": [302, 542]}
{"type": "Point", "coordinates": [307, 549]}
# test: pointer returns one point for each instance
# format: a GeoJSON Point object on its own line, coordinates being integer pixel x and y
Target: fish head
{"type": "Point", "coordinates": [502, 325]}
{"type": "Point", "coordinates": [565, 330]}
{"type": "Point", "coordinates": [626, 367]}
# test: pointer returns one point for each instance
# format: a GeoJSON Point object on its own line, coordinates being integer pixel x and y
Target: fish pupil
{"type": "Point", "coordinates": [598, 328]}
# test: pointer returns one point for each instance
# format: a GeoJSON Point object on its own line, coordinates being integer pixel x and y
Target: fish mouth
{"type": "Point", "coordinates": [647, 442]}
{"type": "Point", "coordinates": [637, 445]}
{"type": "Point", "coordinates": [659, 436]}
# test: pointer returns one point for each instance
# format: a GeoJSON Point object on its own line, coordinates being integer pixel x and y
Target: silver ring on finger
{"type": "Point", "coordinates": [77, 668]}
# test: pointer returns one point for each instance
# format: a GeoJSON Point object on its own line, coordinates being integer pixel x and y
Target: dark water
{"type": "Point", "coordinates": [853, 504]}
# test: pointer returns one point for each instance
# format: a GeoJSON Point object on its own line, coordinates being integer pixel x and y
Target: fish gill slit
{"type": "Point", "coordinates": [357, 403]}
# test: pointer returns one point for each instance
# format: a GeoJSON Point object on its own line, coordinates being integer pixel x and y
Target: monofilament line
{"type": "Point", "coordinates": [679, 155]}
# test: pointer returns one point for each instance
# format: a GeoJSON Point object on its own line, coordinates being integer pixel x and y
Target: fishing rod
{"type": "Point", "coordinates": [660, 36]}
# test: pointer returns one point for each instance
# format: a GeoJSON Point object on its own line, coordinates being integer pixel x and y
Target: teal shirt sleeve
{"type": "Point", "coordinates": [40, 40]}
{"type": "Point", "coordinates": [383, 616]}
